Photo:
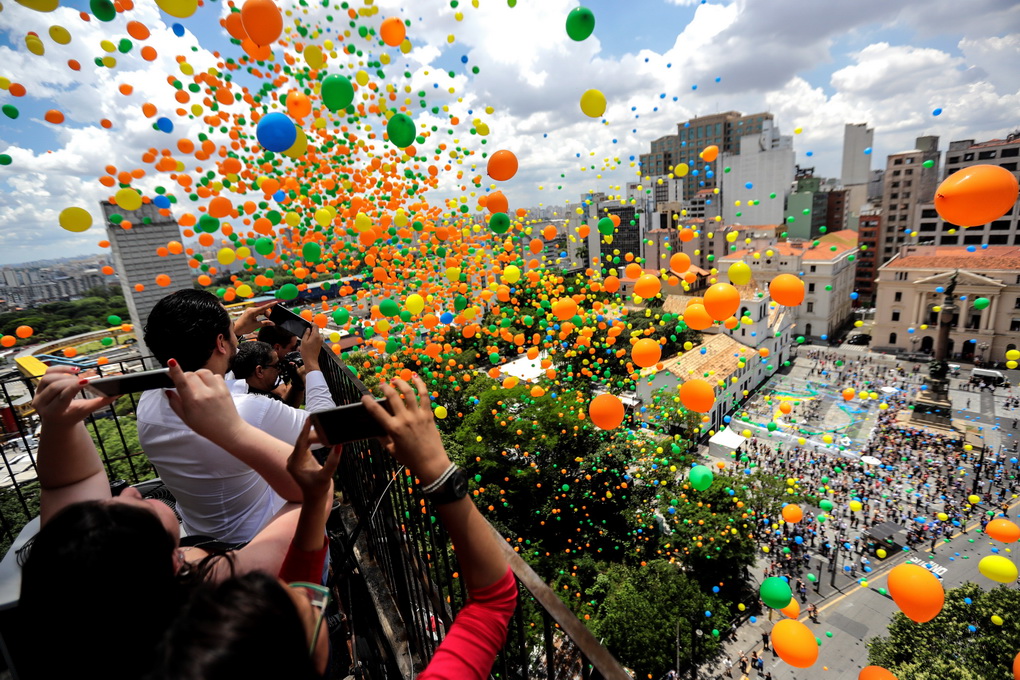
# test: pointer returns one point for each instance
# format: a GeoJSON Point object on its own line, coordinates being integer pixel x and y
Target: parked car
{"type": "Point", "coordinates": [859, 339]}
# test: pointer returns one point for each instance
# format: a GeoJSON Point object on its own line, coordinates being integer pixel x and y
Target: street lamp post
{"type": "Point", "coordinates": [982, 348]}
{"type": "Point", "coordinates": [679, 621]}
{"type": "Point", "coordinates": [694, 650]}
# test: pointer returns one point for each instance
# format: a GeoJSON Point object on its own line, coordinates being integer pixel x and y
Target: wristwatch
{"type": "Point", "coordinates": [451, 486]}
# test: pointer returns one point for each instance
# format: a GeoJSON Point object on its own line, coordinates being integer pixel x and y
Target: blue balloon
{"type": "Point", "coordinates": [161, 202]}
{"type": "Point", "coordinates": [276, 132]}
{"type": "Point", "coordinates": [937, 112]}
{"type": "Point", "coordinates": [854, 296]}
{"type": "Point", "coordinates": [164, 124]}
{"type": "Point", "coordinates": [280, 196]}
{"type": "Point", "coordinates": [867, 152]}
{"type": "Point", "coordinates": [178, 30]}
{"type": "Point", "coordinates": [447, 318]}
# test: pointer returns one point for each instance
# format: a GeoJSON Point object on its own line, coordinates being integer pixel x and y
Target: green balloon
{"type": "Point", "coordinates": [208, 224]}
{"type": "Point", "coordinates": [287, 292]}
{"type": "Point", "coordinates": [114, 320]}
{"type": "Point", "coordinates": [812, 578]}
{"type": "Point", "coordinates": [106, 342]}
{"type": "Point", "coordinates": [775, 592]}
{"type": "Point", "coordinates": [311, 251]}
{"type": "Point", "coordinates": [701, 477]}
{"type": "Point", "coordinates": [341, 317]}
{"type": "Point", "coordinates": [264, 246]}
{"type": "Point", "coordinates": [103, 10]}
{"type": "Point", "coordinates": [389, 308]}
{"type": "Point", "coordinates": [10, 111]}
{"type": "Point", "coordinates": [5, 159]}
{"type": "Point", "coordinates": [826, 505]}
{"type": "Point", "coordinates": [606, 226]}
{"type": "Point", "coordinates": [337, 92]}
{"type": "Point", "coordinates": [580, 23]}
{"type": "Point", "coordinates": [981, 303]}
{"type": "Point", "coordinates": [499, 223]}
{"type": "Point", "coordinates": [401, 130]}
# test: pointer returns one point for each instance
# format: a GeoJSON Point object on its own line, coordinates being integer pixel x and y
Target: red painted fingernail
{"type": "Point", "coordinates": [83, 381]}
{"type": "Point", "coordinates": [172, 362]}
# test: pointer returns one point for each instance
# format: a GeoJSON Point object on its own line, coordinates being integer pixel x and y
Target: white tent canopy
{"type": "Point", "coordinates": [724, 442]}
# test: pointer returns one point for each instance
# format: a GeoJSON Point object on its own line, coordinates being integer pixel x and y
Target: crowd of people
{"type": "Point", "coordinates": [246, 592]}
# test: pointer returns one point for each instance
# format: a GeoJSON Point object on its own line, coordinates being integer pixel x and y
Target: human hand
{"type": "Point", "coordinates": [413, 438]}
{"type": "Point", "coordinates": [314, 479]}
{"type": "Point", "coordinates": [55, 398]}
{"type": "Point", "coordinates": [248, 321]}
{"type": "Point", "coordinates": [311, 345]}
{"type": "Point", "coordinates": [203, 401]}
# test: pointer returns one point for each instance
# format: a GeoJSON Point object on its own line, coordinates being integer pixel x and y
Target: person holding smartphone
{"type": "Point", "coordinates": [220, 495]}
{"type": "Point", "coordinates": [235, 629]}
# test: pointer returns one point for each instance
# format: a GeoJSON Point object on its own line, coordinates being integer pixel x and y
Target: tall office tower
{"type": "Point", "coordinates": [763, 167]}
{"type": "Point", "coordinates": [723, 130]}
{"type": "Point", "coordinates": [856, 176]}
{"type": "Point", "coordinates": [1004, 153]}
{"type": "Point", "coordinates": [908, 185]}
{"type": "Point", "coordinates": [136, 262]}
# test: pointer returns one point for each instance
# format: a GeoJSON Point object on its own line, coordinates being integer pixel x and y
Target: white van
{"type": "Point", "coordinates": [987, 376]}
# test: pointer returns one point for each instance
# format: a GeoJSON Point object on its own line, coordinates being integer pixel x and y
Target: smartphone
{"type": "Point", "coordinates": [348, 423]}
{"type": "Point", "coordinates": [288, 320]}
{"type": "Point", "coordinates": [129, 383]}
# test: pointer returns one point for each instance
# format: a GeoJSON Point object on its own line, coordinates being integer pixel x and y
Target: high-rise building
{"type": "Point", "coordinates": [723, 130]}
{"type": "Point", "coordinates": [857, 139]}
{"type": "Point", "coordinates": [806, 209]}
{"type": "Point", "coordinates": [136, 262]}
{"type": "Point", "coordinates": [962, 154]}
{"type": "Point", "coordinates": [910, 181]}
{"type": "Point", "coordinates": [867, 261]}
{"type": "Point", "coordinates": [760, 176]}
{"type": "Point", "coordinates": [835, 209]}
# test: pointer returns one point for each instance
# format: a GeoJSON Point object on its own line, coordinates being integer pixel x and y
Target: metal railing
{"type": "Point", "coordinates": [411, 550]}
{"type": "Point", "coordinates": [408, 591]}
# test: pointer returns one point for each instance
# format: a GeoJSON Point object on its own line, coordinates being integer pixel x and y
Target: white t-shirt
{"type": "Point", "coordinates": [217, 494]}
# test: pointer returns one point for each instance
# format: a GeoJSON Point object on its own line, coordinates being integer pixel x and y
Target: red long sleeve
{"type": "Point", "coordinates": [478, 632]}
{"type": "Point", "coordinates": [302, 565]}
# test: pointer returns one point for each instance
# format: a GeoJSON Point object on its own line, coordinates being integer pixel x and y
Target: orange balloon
{"type": "Point", "coordinates": [697, 317]}
{"type": "Point", "coordinates": [721, 301]}
{"type": "Point", "coordinates": [497, 202]}
{"type": "Point", "coordinates": [633, 270]}
{"type": "Point", "coordinates": [298, 104]}
{"type": "Point", "coordinates": [647, 286]}
{"type": "Point", "coordinates": [791, 610]}
{"type": "Point", "coordinates": [686, 234]}
{"type": "Point", "coordinates": [565, 309]}
{"type": "Point", "coordinates": [611, 284]}
{"type": "Point", "coordinates": [8, 341]}
{"type": "Point", "coordinates": [393, 31]}
{"type": "Point", "coordinates": [262, 21]}
{"type": "Point", "coordinates": [679, 263]}
{"type": "Point", "coordinates": [235, 27]}
{"type": "Point", "coordinates": [697, 395]}
{"type": "Point", "coordinates": [976, 195]}
{"type": "Point", "coordinates": [502, 164]}
{"type": "Point", "coordinates": [1003, 530]}
{"type": "Point", "coordinates": [787, 290]}
{"type": "Point", "coordinates": [162, 280]}
{"type": "Point", "coordinates": [731, 323]}
{"type": "Point", "coordinates": [646, 352]}
{"type": "Point", "coordinates": [1016, 667]}
{"type": "Point", "coordinates": [24, 332]}
{"type": "Point", "coordinates": [606, 411]}
{"type": "Point", "coordinates": [875, 673]}
{"type": "Point", "coordinates": [795, 643]}
{"type": "Point", "coordinates": [709, 154]}
{"type": "Point", "coordinates": [792, 513]}
{"type": "Point", "coordinates": [785, 407]}
{"type": "Point", "coordinates": [916, 591]}
{"type": "Point", "coordinates": [848, 394]}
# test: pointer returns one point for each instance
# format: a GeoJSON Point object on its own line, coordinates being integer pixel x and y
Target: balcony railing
{"type": "Point", "coordinates": [405, 592]}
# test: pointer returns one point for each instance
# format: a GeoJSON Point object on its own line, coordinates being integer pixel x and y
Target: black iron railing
{"type": "Point", "coordinates": [411, 550]}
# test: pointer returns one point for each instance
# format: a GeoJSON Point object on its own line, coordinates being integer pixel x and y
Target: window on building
{"type": "Point", "coordinates": [810, 307]}
{"type": "Point", "coordinates": [972, 239]}
{"type": "Point", "coordinates": [908, 171]}
{"type": "Point", "coordinates": [1012, 152]}
{"type": "Point", "coordinates": [998, 240]}
{"type": "Point", "coordinates": [1014, 325]}
{"type": "Point", "coordinates": [896, 315]}
{"type": "Point", "coordinates": [1016, 304]}
{"type": "Point", "coordinates": [898, 297]}
{"type": "Point", "coordinates": [895, 185]}
{"type": "Point", "coordinates": [1008, 166]}
{"type": "Point", "coordinates": [985, 155]}
{"type": "Point", "coordinates": [892, 338]}
{"type": "Point", "coordinates": [929, 212]}
{"type": "Point", "coordinates": [811, 288]}
{"type": "Point", "coordinates": [949, 240]}
{"type": "Point", "coordinates": [968, 157]}
{"type": "Point", "coordinates": [898, 161]}
{"type": "Point", "coordinates": [901, 276]}
{"type": "Point", "coordinates": [896, 195]}
{"type": "Point", "coordinates": [813, 268]}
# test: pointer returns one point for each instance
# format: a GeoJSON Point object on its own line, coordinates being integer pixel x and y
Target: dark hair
{"type": "Point", "coordinates": [245, 627]}
{"type": "Point", "coordinates": [275, 335]}
{"type": "Point", "coordinates": [185, 326]}
{"type": "Point", "coordinates": [250, 355]}
{"type": "Point", "coordinates": [101, 576]}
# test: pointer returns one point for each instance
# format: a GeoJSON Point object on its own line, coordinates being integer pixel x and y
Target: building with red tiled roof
{"type": "Point", "coordinates": [908, 292]}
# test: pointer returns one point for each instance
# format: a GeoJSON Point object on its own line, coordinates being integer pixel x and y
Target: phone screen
{"type": "Point", "coordinates": [348, 423]}
{"type": "Point", "coordinates": [116, 385]}
{"type": "Point", "coordinates": [286, 319]}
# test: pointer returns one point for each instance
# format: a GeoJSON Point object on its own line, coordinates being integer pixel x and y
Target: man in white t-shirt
{"type": "Point", "coordinates": [219, 495]}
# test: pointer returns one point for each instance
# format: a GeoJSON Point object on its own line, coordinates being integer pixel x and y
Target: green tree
{"type": "Point", "coordinates": [945, 647]}
{"type": "Point", "coordinates": [117, 440]}
{"type": "Point", "coordinates": [642, 611]}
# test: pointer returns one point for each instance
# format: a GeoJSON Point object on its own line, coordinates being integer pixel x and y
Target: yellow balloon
{"type": "Point", "coordinates": [440, 412]}
{"type": "Point", "coordinates": [855, 506]}
{"type": "Point", "coordinates": [998, 568]}
{"type": "Point", "coordinates": [997, 620]}
{"type": "Point", "coordinates": [40, 5]}
{"type": "Point", "coordinates": [362, 222]}
{"type": "Point", "coordinates": [739, 272]}
{"type": "Point", "coordinates": [593, 103]}
{"type": "Point", "coordinates": [226, 256]}
{"type": "Point", "coordinates": [414, 303]}
{"type": "Point", "coordinates": [323, 217]}
{"type": "Point", "coordinates": [182, 9]}
{"type": "Point", "coordinates": [881, 553]}
{"type": "Point", "coordinates": [128, 199]}
{"type": "Point", "coordinates": [75, 219]}
{"type": "Point", "coordinates": [313, 56]}
{"type": "Point", "coordinates": [245, 291]}
{"type": "Point", "coordinates": [299, 147]}
{"type": "Point", "coordinates": [512, 274]}
{"type": "Point", "coordinates": [60, 35]}
{"type": "Point", "coordinates": [973, 499]}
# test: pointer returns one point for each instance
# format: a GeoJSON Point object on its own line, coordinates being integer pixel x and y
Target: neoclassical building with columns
{"type": "Point", "coordinates": [908, 293]}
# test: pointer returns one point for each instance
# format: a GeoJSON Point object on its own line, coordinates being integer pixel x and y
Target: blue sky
{"type": "Point", "coordinates": [816, 65]}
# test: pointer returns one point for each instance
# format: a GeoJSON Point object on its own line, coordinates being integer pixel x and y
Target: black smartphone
{"type": "Point", "coordinates": [129, 383]}
{"type": "Point", "coordinates": [348, 423]}
{"type": "Point", "coordinates": [284, 318]}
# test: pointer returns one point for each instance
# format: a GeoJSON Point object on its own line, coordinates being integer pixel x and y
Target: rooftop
{"type": "Point", "coordinates": [992, 258]}
{"type": "Point", "coordinates": [721, 358]}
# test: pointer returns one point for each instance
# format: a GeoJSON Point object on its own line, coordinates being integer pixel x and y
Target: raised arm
{"type": "Point", "coordinates": [67, 462]}
{"type": "Point", "coordinates": [204, 403]}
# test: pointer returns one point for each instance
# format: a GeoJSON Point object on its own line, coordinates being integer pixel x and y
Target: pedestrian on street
{"type": "Point", "coordinates": [765, 641]}
{"type": "Point", "coordinates": [728, 667]}
{"type": "Point", "coordinates": [744, 664]}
